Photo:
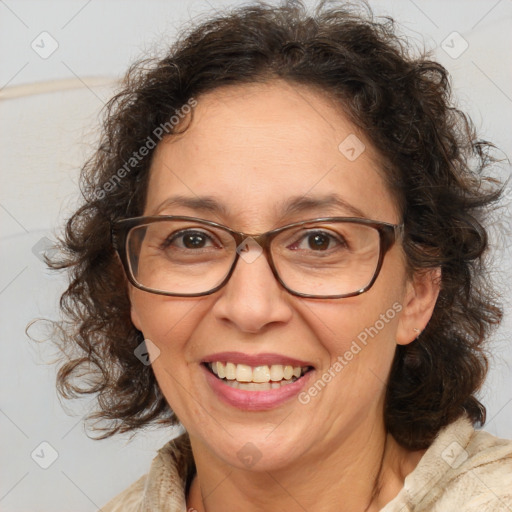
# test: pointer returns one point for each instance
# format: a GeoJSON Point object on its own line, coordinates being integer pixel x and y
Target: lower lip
{"type": "Point", "coordinates": [255, 400]}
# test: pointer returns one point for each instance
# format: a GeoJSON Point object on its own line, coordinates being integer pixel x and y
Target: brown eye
{"type": "Point", "coordinates": [187, 239]}
{"type": "Point", "coordinates": [317, 241]}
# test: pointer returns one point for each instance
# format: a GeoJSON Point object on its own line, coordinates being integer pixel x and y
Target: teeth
{"type": "Point", "coordinates": [243, 373]}
{"type": "Point", "coordinates": [261, 374]}
{"type": "Point", "coordinates": [276, 372]}
{"type": "Point", "coordinates": [230, 370]}
{"type": "Point", "coordinates": [272, 374]}
{"type": "Point", "coordinates": [257, 386]}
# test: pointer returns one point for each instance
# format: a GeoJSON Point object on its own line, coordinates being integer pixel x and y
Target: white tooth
{"type": "Point", "coordinates": [243, 373]}
{"type": "Point", "coordinates": [261, 374]}
{"type": "Point", "coordinates": [230, 370]}
{"type": "Point", "coordinates": [276, 372]}
{"type": "Point", "coordinates": [258, 386]}
{"type": "Point", "coordinates": [254, 386]}
{"type": "Point", "coordinates": [258, 374]}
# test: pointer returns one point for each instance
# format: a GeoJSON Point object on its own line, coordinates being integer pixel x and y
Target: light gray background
{"type": "Point", "coordinates": [49, 112]}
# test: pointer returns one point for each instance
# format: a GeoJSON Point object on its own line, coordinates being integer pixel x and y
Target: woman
{"type": "Point", "coordinates": [281, 249]}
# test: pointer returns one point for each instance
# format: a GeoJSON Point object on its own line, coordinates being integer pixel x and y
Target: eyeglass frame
{"type": "Point", "coordinates": [389, 234]}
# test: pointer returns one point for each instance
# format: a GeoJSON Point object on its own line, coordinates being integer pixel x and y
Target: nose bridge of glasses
{"type": "Point", "coordinates": [250, 246]}
{"type": "Point", "coordinates": [246, 241]}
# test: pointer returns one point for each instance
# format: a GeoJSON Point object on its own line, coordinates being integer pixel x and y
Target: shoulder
{"type": "Point", "coordinates": [130, 500]}
{"type": "Point", "coordinates": [164, 485]}
{"type": "Point", "coordinates": [464, 469]}
{"type": "Point", "coordinates": [480, 474]}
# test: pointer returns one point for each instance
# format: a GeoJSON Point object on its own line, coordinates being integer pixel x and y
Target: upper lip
{"type": "Point", "coordinates": [255, 359]}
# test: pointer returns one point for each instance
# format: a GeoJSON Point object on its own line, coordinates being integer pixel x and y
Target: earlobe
{"type": "Point", "coordinates": [134, 315]}
{"type": "Point", "coordinates": [135, 318]}
{"type": "Point", "coordinates": [419, 302]}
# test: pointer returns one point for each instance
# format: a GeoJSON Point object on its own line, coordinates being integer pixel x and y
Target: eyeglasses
{"type": "Point", "coordinates": [325, 258]}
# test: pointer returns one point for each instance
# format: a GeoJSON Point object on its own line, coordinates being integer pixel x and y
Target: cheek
{"type": "Point", "coordinates": [345, 327]}
{"type": "Point", "coordinates": [361, 348]}
{"type": "Point", "coordinates": [360, 332]}
{"type": "Point", "coordinates": [167, 322]}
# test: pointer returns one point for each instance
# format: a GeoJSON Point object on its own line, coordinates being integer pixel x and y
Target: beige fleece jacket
{"type": "Point", "coordinates": [464, 470]}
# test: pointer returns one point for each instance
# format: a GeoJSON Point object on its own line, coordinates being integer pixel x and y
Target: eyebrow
{"type": "Point", "coordinates": [290, 206]}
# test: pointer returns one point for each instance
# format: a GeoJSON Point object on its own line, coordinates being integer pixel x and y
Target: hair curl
{"type": "Point", "coordinates": [434, 165]}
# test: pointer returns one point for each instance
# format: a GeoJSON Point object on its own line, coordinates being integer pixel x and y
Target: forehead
{"type": "Point", "coordinates": [263, 154]}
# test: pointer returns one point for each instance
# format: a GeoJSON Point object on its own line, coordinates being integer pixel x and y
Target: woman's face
{"type": "Point", "coordinates": [252, 149]}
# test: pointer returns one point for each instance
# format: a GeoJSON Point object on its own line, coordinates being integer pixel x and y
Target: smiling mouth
{"type": "Point", "coordinates": [256, 378]}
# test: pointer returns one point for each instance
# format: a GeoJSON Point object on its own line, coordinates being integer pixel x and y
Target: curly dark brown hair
{"type": "Point", "coordinates": [434, 165]}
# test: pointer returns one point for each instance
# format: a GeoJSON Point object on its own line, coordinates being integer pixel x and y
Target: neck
{"type": "Point", "coordinates": [362, 472]}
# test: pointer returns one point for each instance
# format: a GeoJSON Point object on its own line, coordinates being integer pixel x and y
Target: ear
{"type": "Point", "coordinates": [419, 301]}
{"type": "Point", "coordinates": [133, 313]}
{"type": "Point", "coordinates": [135, 318]}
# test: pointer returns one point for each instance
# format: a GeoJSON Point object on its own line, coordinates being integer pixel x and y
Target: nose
{"type": "Point", "coordinates": [253, 298]}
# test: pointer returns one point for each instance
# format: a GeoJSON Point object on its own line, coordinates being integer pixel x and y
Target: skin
{"type": "Point", "coordinates": [251, 147]}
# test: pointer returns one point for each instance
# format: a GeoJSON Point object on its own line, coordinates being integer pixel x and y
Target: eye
{"type": "Point", "coordinates": [318, 241]}
{"type": "Point", "coordinates": [187, 239]}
